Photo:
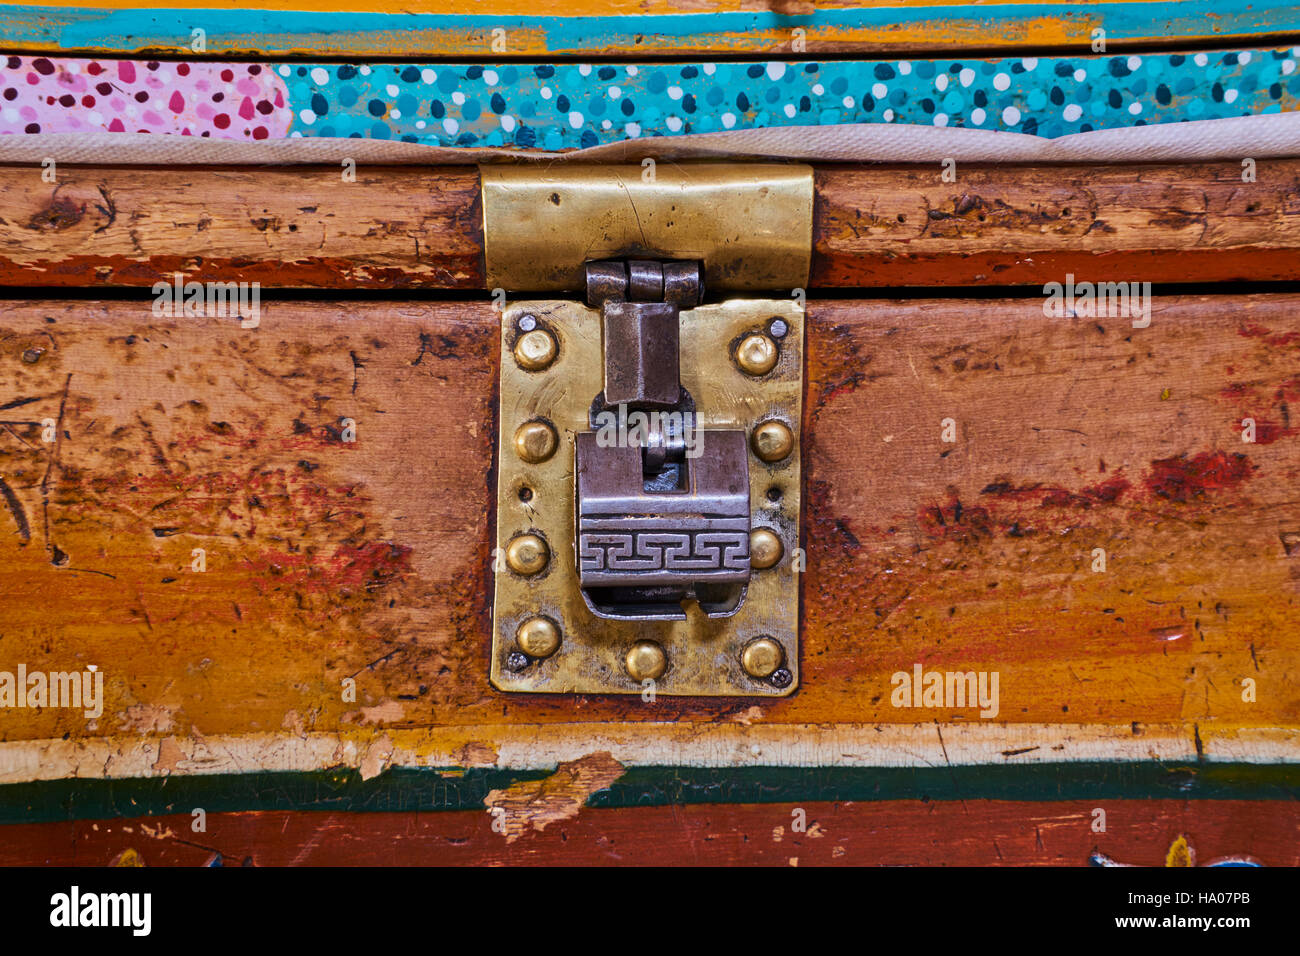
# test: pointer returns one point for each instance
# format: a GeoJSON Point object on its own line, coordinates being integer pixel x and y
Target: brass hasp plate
{"type": "Point", "coordinates": [649, 465]}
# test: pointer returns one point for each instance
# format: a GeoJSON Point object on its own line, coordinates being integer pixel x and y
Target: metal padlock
{"type": "Point", "coordinates": [644, 549]}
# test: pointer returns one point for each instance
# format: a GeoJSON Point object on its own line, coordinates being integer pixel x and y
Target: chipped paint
{"type": "Point", "coordinates": [536, 804]}
{"type": "Point", "coordinates": [537, 747]}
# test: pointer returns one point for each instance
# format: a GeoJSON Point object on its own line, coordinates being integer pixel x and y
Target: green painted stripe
{"type": "Point", "coordinates": [401, 790]}
{"type": "Point", "coordinates": [653, 786]}
{"type": "Point", "coordinates": [405, 790]}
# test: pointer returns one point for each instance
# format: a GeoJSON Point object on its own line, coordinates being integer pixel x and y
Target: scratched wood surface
{"type": "Point", "coordinates": [327, 559]}
{"type": "Point", "coordinates": [970, 832]}
{"type": "Point", "coordinates": [874, 226]}
{"type": "Point", "coordinates": [881, 226]}
{"type": "Point", "coordinates": [590, 28]}
{"type": "Point", "coordinates": [392, 228]}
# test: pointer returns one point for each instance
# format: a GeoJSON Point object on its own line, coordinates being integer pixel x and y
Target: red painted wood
{"type": "Point", "coordinates": [899, 833]}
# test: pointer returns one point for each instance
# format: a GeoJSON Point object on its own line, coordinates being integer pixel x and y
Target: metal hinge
{"type": "Point", "coordinates": [649, 472]}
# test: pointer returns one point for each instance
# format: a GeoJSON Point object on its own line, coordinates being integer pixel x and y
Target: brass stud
{"type": "Point", "coordinates": [756, 354]}
{"type": "Point", "coordinates": [538, 637]}
{"type": "Point", "coordinates": [535, 441]}
{"type": "Point", "coordinates": [765, 548]}
{"type": "Point", "coordinates": [772, 441]}
{"type": "Point", "coordinates": [646, 661]}
{"type": "Point", "coordinates": [527, 554]}
{"type": "Point", "coordinates": [761, 657]}
{"type": "Point", "coordinates": [535, 350]}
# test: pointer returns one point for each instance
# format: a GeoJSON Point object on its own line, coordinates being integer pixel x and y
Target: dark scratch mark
{"type": "Point", "coordinates": [53, 459]}
{"type": "Point", "coordinates": [16, 509]}
{"type": "Point", "coordinates": [20, 438]}
{"type": "Point", "coordinates": [1073, 431]}
{"type": "Point", "coordinates": [1022, 750]}
{"type": "Point", "coordinates": [952, 776]}
{"type": "Point", "coordinates": [92, 571]}
{"type": "Point", "coordinates": [378, 660]}
{"type": "Point", "coordinates": [160, 456]}
{"type": "Point", "coordinates": [426, 347]}
{"type": "Point", "coordinates": [109, 209]}
{"type": "Point", "coordinates": [356, 364]}
{"type": "Point", "coordinates": [645, 243]}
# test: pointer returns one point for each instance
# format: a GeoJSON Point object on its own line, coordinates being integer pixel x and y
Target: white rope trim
{"type": "Point", "coordinates": [1255, 137]}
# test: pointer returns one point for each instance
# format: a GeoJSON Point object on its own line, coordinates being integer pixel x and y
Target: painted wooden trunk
{"type": "Point", "coordinates": [272, 546]}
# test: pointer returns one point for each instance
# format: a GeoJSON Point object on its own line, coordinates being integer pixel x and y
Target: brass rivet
{"type": "Point", "coordinates": [538, 637]}
{"type": "Point", "coordinates": [646, 661]}
{"type": "Point", "coordinates": [535, 350]}
{"type": "Point", "coordinates": [772, 440]}
{"type": "Point", "coordinates": [765, 548]}
{"type": "Point", "coordinates": [761, 657]}
{"type": "Point", "coordinates": [527, 554]}
{"type": "Point", "coordinates": [535, 441]}
{"type": "Point", "coordinates": [756, 354]}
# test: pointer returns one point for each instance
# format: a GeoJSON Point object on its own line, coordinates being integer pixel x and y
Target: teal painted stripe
{"type": "Point", "coordinates": [406, 790]}
{"type": "Point", "coordinates": [395, 33]}
{"type": "Point", "coordinates": [568, 106]}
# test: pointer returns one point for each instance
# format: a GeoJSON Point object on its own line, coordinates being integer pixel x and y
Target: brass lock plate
{"type": "Point", "coordinates": [753, 652]}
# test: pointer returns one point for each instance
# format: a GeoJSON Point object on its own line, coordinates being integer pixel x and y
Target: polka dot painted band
{"type": "Point", "coordinates": [228, 101]}
{"type": "Point", "coordinates": [555, 107]}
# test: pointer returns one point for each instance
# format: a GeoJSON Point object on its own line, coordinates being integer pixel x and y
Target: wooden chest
{"type": "Point", "coordinates": [283, 302]}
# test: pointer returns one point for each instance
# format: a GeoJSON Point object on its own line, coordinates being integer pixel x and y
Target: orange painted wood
{"type": "Point", "coordinates": [371, 560]}
{"type": "Point", "coordinates": [405, 227]}
{"type": "Point", "coordinates": [283, 227]}
{"type": "Point", "coordinates": [360, 29]}
{"type": "Point", "coordinates": [970, 832]}
{"type": "Point", "coordinates": [1010, 225]}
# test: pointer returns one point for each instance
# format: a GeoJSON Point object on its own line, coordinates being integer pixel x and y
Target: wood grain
{"type": "Point", "coordinates": [370, 560]}
{"type": "Point", "coordinates": [408, 228]}
{"type": "Point", "coordinates": [286, 227]}
{"type": "Point", "coordinates": [970, 832]}
{"type": "Point", "coordinates": [1012, 225]}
